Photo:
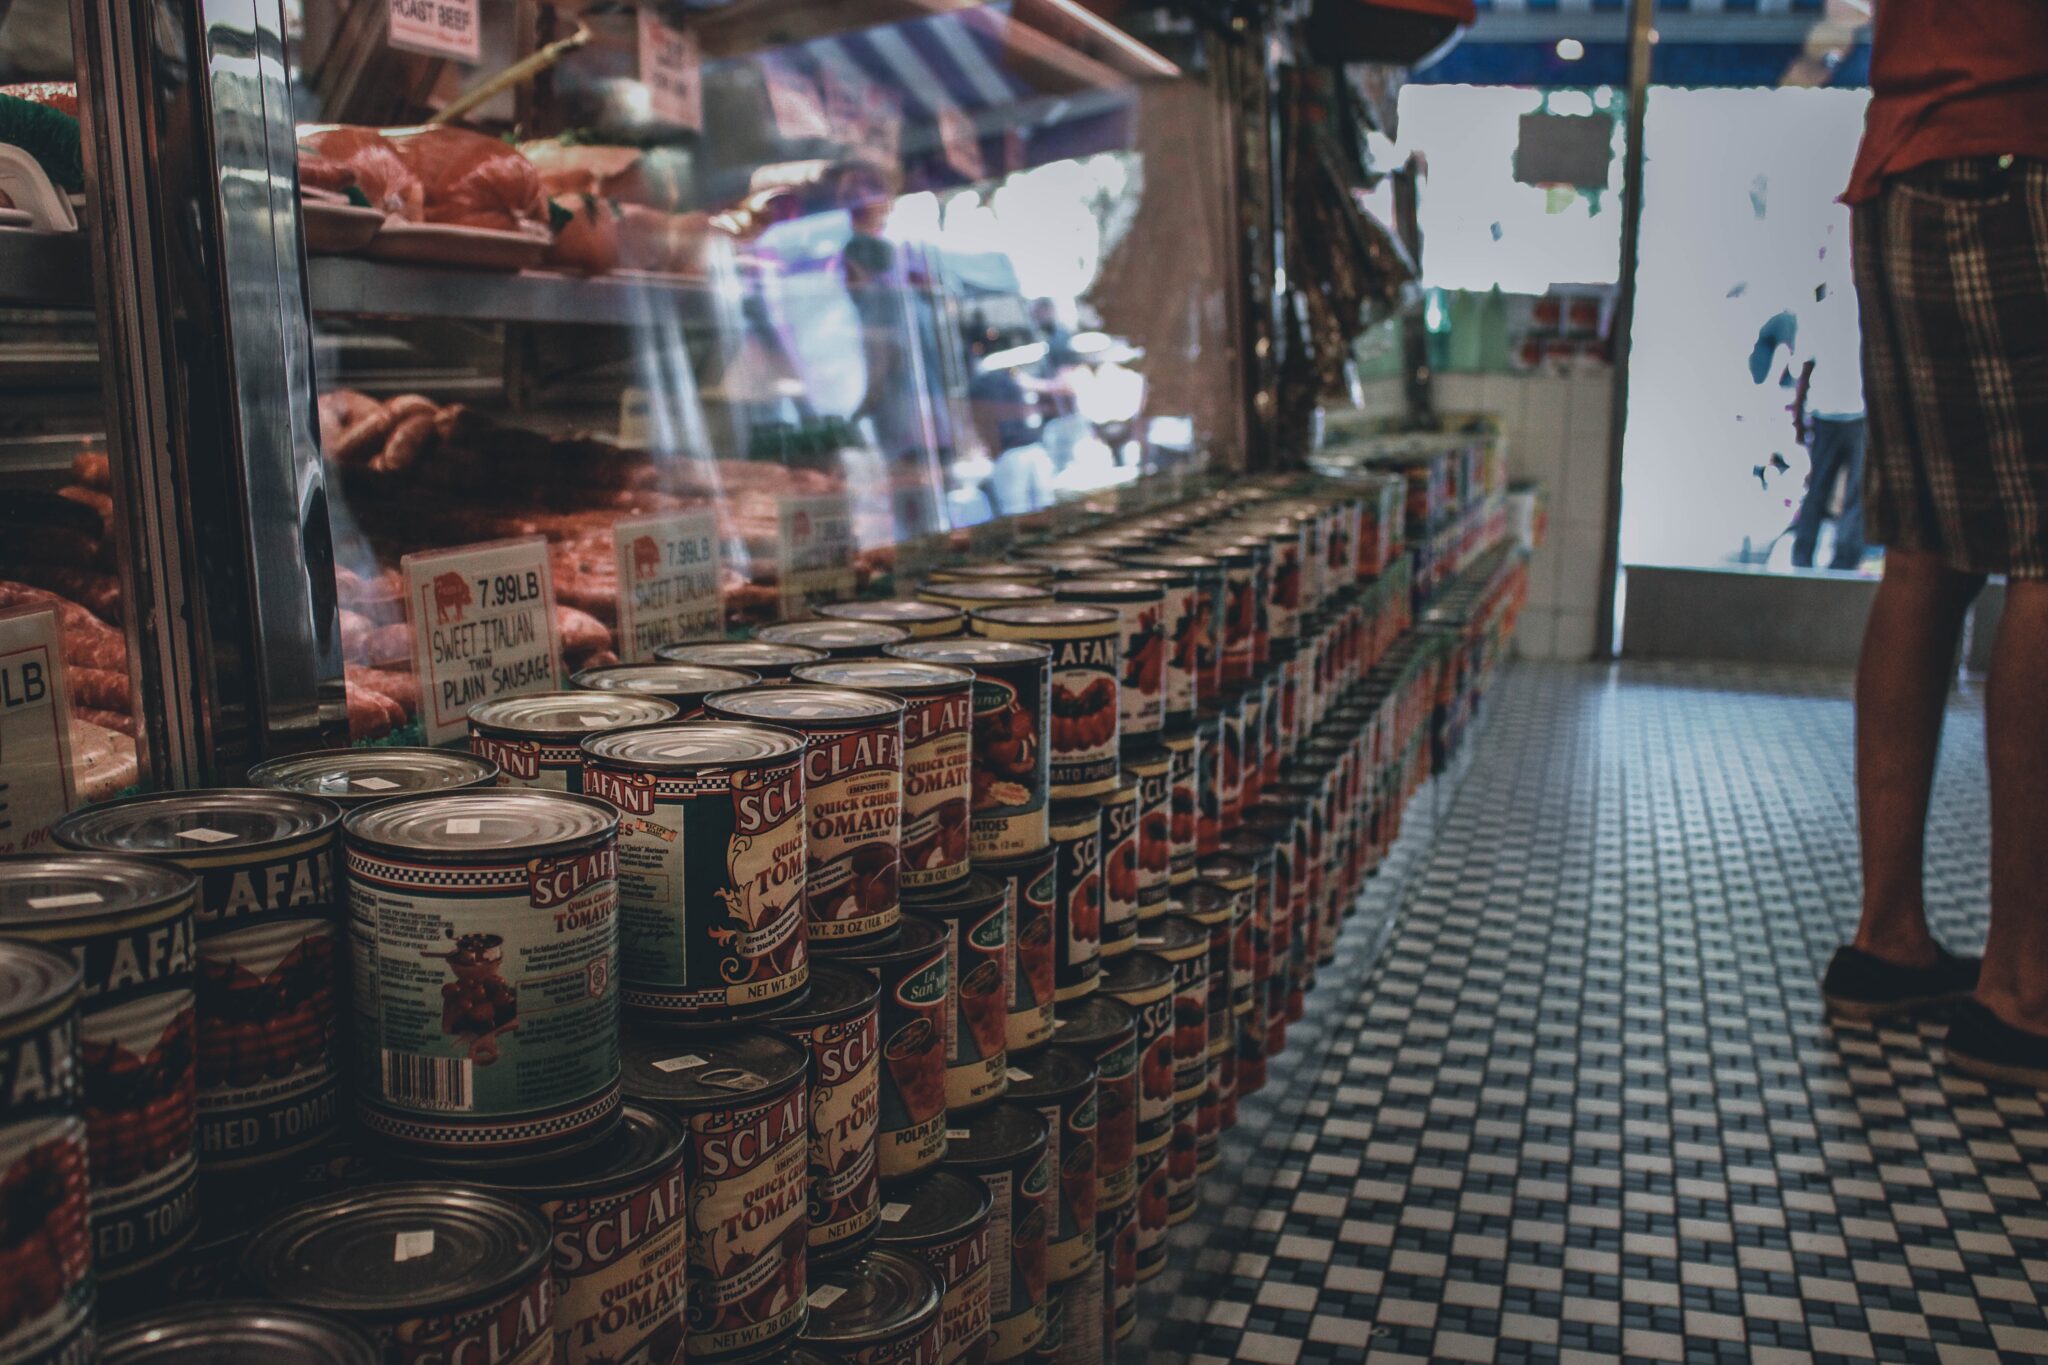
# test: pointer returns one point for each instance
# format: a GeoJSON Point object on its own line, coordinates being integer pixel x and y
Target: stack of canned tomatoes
{"type": "Point", "coordinates": [878, 988]}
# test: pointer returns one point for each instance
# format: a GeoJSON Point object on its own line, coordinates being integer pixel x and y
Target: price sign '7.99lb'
{"type": "Point", "coordinates": [669, 582]}
{"type": "Point", "coordinates": [35, 730]}
{"type": "Point", "coordinates": [483, 624]}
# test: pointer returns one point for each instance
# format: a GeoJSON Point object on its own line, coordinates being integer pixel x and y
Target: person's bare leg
{"type": "Point", "coordinates": [1902, 683]}
{"type": "Point", "coordinates": [2014, 983]}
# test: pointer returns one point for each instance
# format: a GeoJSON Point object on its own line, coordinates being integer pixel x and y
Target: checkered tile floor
{"type": "Point", "coordinates": [1569, 1094]}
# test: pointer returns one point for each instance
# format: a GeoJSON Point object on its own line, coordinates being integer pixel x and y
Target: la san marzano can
{"type": "Point", "coordinates": [880, 1309]}
{"type": "Point", "coordinates": [915, 979]}
{"type": "Point", "coordinates": [1006, 1147]}
{"type": "Point", "coordinates": [975, 916]}
{"type": "Point", "coordinates": [1060, 1083]}
{"type": "Point", "coordinates": [1031, 889]}
{"type": "Point", "coordinates": [839, 1024]}
{"type": "Point", "coordinates": [1106, 1031]}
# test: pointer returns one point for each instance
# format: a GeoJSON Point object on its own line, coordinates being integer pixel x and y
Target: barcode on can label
{"type": "Point", "coordinates": [429, 1082]}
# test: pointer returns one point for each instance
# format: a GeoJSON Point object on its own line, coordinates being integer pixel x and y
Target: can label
{"type": "Point", "coordinates": [1032, 893]}
{"type": "Point", "coordinates": [1012, 764]}
{"type": "Point", "coordinates": [1208, 628]}
{"type": "Point", "coordinates": [1230, 766]}
{"type": "Point", "coordinates": [962, 1270]}
{"type": "Point", "coordinates": [1084, 715]}
{"type": "Point", "coordinates": [1155, 837]}
{"type": "Point", "coordinates": [1283, 591]}
{"type": "Point", "coordinates": [1190, 1026]}
{"type": "Point", "coordinates": [1018, 1308]}
{"type": "Point", "coordinates": [1071, 1242]}
{"type": "Point", "coordinates": [978, 958]}
{"type": "Point", "coordinates": [1251, 782]}
{"type": "Point", "coordinates": [1141, 691]}
{"type": "Point", "coordinates": [1209, 788]}
{"type": "Point", "coordinates": [747, 1224]}
{"type": "Point", "coordinates": [487, 997]}
{"type": "Point", "coordinates": [845, 1183]}
{"type": "Point", "coordinates": [1119, 877]}
{"type": "Point", "coordinates": [1080, 1313]}
{"type": "Point", "coordinates": [938, 783]}
{"type": "Point", "coordinates": [518, 1330]}
{"type": "Point", "coordinates": [269, 1002]}
{"type": "Point", "coordinates": [1218, 982]}
{"type": "Point", "coordinates": [711, 886]}
{"type": "Point", "coordinates": [620, 1267]}
{"type": "Point", "coordinates": [853, 802]}
{"type": "Point", "coordinates": [531, 762]}
{"type": "Point", "coordinates": [1183, 762]}
{"type": "Point", "coordinates": [1155, 1072]}
{"type": "Point", "coordinates": [1209, 1114]}
{"type": "Point", "coordinates": [1181, 1161]}
{"type": "Point", "coordinates": [46, 1314]}
{"type": "Point", "coordinates": [911, 1133]}
{"type": "Point", "coordinates": [1116, 1237]}
{"type": "Point", "coordinates": [1077, 917]}
{"type": "Point", "coordinates": [1183, 669]}
{"type": "Point", "coordinates": [1153, 1198]}
{"type": "Point", "coordinates": [1240, 623]}
{"type": "Point", "coordinates": [1116, 1123]}
{"type": "Point", "coordinates": [1243, 956]}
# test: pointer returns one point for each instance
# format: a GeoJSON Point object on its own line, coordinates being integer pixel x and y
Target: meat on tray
{"type": "Point", "coordinates": [380, 172]}
{"type": "Point", "coordinates": [473, 180]}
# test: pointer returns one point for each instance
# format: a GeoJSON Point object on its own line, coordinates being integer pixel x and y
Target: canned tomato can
{"type": "Point", "coordinates": [1178, 612]}
{"type": "Point", "coordinates": [356, 777]}
{"type": "Point", "coordinates": [1289, 539]}
{"type": "Point", "coordinates": [1077, 1305]}
{"type": "Point", "coordinates": [938, 756]}
{"type": "Point", "coordinates": [1106, 1031]}
{"type": "Point", "coordinates": [1183, 756]}
{"type": "Point", "coordinates": [1053, 1339]}
{"type": "Point", "coordinates": [1184, 945]}
{"type": "Point", "coordinates": [1059, 562]}
{"type": "Point", "coordinates": [1209, 783]}
{"type": "Point", "coordinates": [923, 620]}
{"type": "Point", "coordinates": [1032, 575]}
{"type": "Point", "coordinates": [1230, 762]}
{"type": "Point", "coordinates": [913, 974]}
{"type": "Point", "coordinates": [1012, 738]}
{"type": "Point", "coordinates": [1006, 1147]}
{"type": "Point", "coordinates": [1086, 644]}
{"type": "Point", "coordinates": [1060, 1083]}
{"type": "Point", "coordinates": [771, 663]}
{"type": "Point", "coordinates": [840, 1026]}
{"type": "Point", "coordinates": [941, 1219]}
{"type": "Point", "coordinates": [1077, 897]}
{"type": "Point", "coordinates": [882, 1309]}
{"type": "Point", "coordinates": [430, 1271]}
{"type": "Point", "coordinates": [975, 918]}
{"type": "Point", "coordinates": [1240, 618]}
{"type": "Point", "coordinates": [46, 1311]}
{"type": "Point", "coordinates": [267, 972]}
{"type": "Point", "coordinates": [1219, 1091]}
{"type": "Point", "coordinates": [1153, 1210]}
{"type": "Point", "coordinates": [1116, 1246]}
{"type": "Point", "coordinates": [1141, 680]}
{"type": "Point", "coordinates": [838, 639]}
{"type": "Point", "coordinates": [1030, 887]}
{"type": "Point", "coordinates": [1236, 879]}
{"type": "Point", "coordinates": [853, 799]}
{"type": "Point", "coordinates": [536, 738]}
{"type": "Point", "coordinates": [620, 1214]}
{"type": "Point", "coordinates": [484, 930]}
{"type": "Point", "coordinates": [1152, 765]}
{"type": "Point", "coordinates": [684, 686]}
{"type": "Point", "coordinates": [1143, 982]}
{"type": "Point", "coordinates": [971, 596]}
{"type": "Point", "coordinates": [712, 863]}
{"type": "Point", "coordinates": [745, 1111]}
{"type": "Point", "coordinates": [128, 924]}
{"type": "Point", "coordinates": [1252, 779]}
{"type": "Point", "coordinates": [1120, 868]}
{"type": "Point", "coordinates": [241, 1331]}
{"type": "Point", "coordinates": [1203, 638]}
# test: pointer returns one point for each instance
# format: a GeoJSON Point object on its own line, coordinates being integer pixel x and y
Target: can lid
{"type": "Point", "coordinates": [1095, 1022]}
{"type": "Point", "coordinates": [1224, 868]}
{"type": "Point", "coordinates": [890, 610]}
{"type": "Point", "coordinates": [899, 676]}
{"type": "Point", "coordinates": [237, 1333]}
{"type": "Point", "coordinates": [1143, 751]}
{"type": "Point", "coordinates": [1050, 1073]}
{"type": "Point", "coordinates": [391, 1252]}
{"type": "Point", "coordinates": [465, 824]}
{"type": "Point", "coordinates": [1119, 589]}
{"type": "Point", "coordinates": [356, 777]}
{"type": "Point", "coordinates": [1075, 816]}
{"type": "Point", "coordinates": [912, 939]}
{"type": "Point", "coordinates": [1191, 563]}
{"type": "Point", "coordinates": [882, 1296]}
{"type": "Point", "coordinates": [1016, 571]}
{"type": "Point", "coordinates": [838, 992]}
{"type": "Point", "coordinates": [1248, 847]}
{"type": "Point", "coordinates": [705, 1071]}
{"type": "Point", "coordinates": [689, 745]}
{"type": "Point", "coordinates": [1081, 563]}
{"type": "Point", "coordinates": [996, 591]}
{"type": "Point", "coordinates": [1136, 974]}
{"type": "Point", "coordinates": [769, 660]}
{"type": "Point", "coordinates": [832, 636]}
{"type": "Point", "coordinates": [77, 890]}
{"type": "Point", "coordinates": [1016, 863]}
{"type": "Point", "coordinates": [224, 819]}
{"type": "Point", "coordinates": [1172, 937]}
{"type": "Point", "coordinates": [1003, 1134]}
{"type": "Point", "coordinates": [1059, 614]}
{"type": "Point", "coordinates": [568, 714]}
{"type": "Point", "coordinates": [1124, 793]}
{"type": "Point", "coordinates": [645, 1144]}
{"type": "Point", "coordinates": [670, 680]}
{"type": "Point", "coordinates": [971, 651]}
{"type": "Point", "coordinates": [1166, 574]}
{"type": "Point", "coordinates": [1206, 901]}
{"type": "Point", "coordinates": [33, 979]}
{"type": "Point", "coordinates": [937, 1206]}
{"type": "Point", "coordinates": [976, 891]}
{"type": "Point", "coordinates": [805, 705]}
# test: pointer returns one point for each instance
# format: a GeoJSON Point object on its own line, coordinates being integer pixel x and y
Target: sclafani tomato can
{"type": "Point", "coordinates": [1120, 868]}
{"type": "Point", "coordinates": [1152, 766]}
{"type": "Point", "coordinates": [1141, 680]}
{"type": "Point", "coordinates": [913, 973]}
{"type": "Point", "coordinates": [975, 917]}
{"type": "Point", "coordinates": [1077, 901]}
{"type": "Point", "coordinates": [536, 738]}
{"type": "Point", "coordinates": [942, 1219]}
{"type": "Point", "coordinates": [1012, 738]}
{"type": "Point", "coordinates": [840, 1025]}
{"type": "Point", "coordinates": [1183, 804]}
{"type": "Point", "coordinates": [881, 1309]}
{"type": "Point", "coordinates": [683, 685]}
{"type": "Point", "coordinates": [1086, 645]}
{"type": "Point", "coordinates": [1143, 982]}
{"type": "Point", "coordinates": [1031, 888]}
{"type": "Point", "coordinates": [1006, 1147]}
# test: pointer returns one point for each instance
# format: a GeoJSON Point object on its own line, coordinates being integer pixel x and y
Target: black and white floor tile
{"type": "Point", "coordinates": [1569, 1095]}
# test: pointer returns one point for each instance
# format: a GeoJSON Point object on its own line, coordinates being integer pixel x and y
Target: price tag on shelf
{"type": "Point", "coordinates": [671, 70]}
{"type": "Point", "coordinates": [437, 28]}
{"type": "Point", "coordinates": [35, 729]}
{"type": "Point", "coordinates": [483, 625]}
{"type": "Point", "coordinates": [671, 581]}
{"type": "Point", "coordinates": [814, 553]}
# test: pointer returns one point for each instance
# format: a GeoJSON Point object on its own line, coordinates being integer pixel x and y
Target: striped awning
{"type": "Point", "coordinates": [1699, 42]}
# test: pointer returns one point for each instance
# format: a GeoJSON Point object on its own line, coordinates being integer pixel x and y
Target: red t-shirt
{"type": "Point", "coordinates": [1952, 78]}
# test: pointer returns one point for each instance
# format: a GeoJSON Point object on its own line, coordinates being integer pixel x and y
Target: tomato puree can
{"type": "Point", "coordinates": [1141, 678]}
{"type": "Point", "coordinates": [484, 931]}
{"type": "Point", "coordinates": [1152, 1205]}
{"type": "Point", "coordinates": [942, 1220]}
{"type": "Point", "coordinates": [1143, 982]}
{"type": "Point", "coordinates": [220, 1332]}
{"type": "Point", "coordinates": [1200, 641]}
{"type": "Point", "coordinates": [853, 799]}
{"type": "Point", "coordinates": [1183, 760]}
{"type": "Point", "coordinates": [839, 1025]}
{"type": "Point", "coordinates": [1030, 887]}
{"type": "Point", "coordinates": [712, 863]}
{"type": "Point", "coordinates": [620, 1213]}
{"type": "Point", "coordinates": [128, 924]}
{"type": "Point", "coordinates": [46, 1311]}
{"type": "Point", "coordinates": [432, 1272]}
{"type": "Point", "coordinates": [1012, 738]}
{"type": "Point", "coordinates": [881, 1309]}
{"type": "Point", "coordinates": [924, 620]}
{"type": "Point", "coordinates": [938, 756]}
{"type": "Point", "coordinates": [1120, 868]}
{"type": "Point", "coordinates": [1214, 908]}
{"type": "Point", "coordinates": [684, 686]}
{"type": "Point", "coordinates": [1060, 1083]}
{"type": "Point", "coordinates": [1077, 900]}
{"type": "Point", "coordinates": [1185, 945]}
{"type": "Point", "coordinates": [742, 1101]}
{"type": "Point", "coordinates": [1116, 1245]}
{"type": "Point", "coordinates": [356, 777]}
{"type": "Point", "coordinates": [1152, 765]}
{"type": "Point", "coordinates": [838, 639]}
{"type": "Point", "coordinates": [1086, 647]}
{"type": "Point", "coordinates": [1242, 597]}
{"type": "Point", "coordinates": [912, 972]}
{"type": "Point", "coordinates": [1007, 1148]}
{"type": "Point", "coordinates": [770, 662]}
{"type": "Point", "coordinates": [268, 985]}
{"type": "Point", "coordinates": [536, 738]}
{"type": "Point", "coordinates": [1178, 621]}
{"type": "Point", "coordinates": [975, 917]}
{"type": "Point", "coordinates": [1106, 1032]}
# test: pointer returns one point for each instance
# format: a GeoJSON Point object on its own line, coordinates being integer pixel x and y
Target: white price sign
{"type": "Point", "coordinates": [35, 729]}
{"type": "Point", "coordinates": [438, 28]}
{"type": "Point", "coordinates": [671, 70]}
{"type": "Point", "coordinates": [815, 549]}
{"type": "Point", "coordinates": [671, 581]}
{"type": "Point", "coordinates": [483, 625]}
